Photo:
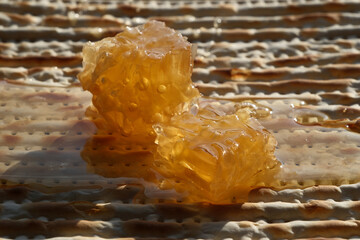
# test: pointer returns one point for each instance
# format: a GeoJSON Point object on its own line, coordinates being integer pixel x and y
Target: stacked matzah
{"type": "Point", "coordinates": [294, 56]}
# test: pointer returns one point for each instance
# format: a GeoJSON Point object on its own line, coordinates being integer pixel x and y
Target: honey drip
{"type": "Point", "coordinates": [162, 131]}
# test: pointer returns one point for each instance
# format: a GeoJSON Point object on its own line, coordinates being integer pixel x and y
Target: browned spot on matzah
{"type": "Point", "coordinates": [293, 61]}
{"type": "Point", "coordinates": [334, 6]}
{"type": "Point", "coordinates": [264, 74]}
{"type": "Point", "coordinates": [349, 58]}
{"type": "Point", "coordinates": [11, 140]}
{"type": "Point", "coordinates": [342, 71]}
{"type": "Point", "coordinates": [317, 209]}
{"type": "Point", "coordinates": [20, 19]}
{"type": "Point", "coordinates": [298, 20]}
{"type": "Point", "coordinates": [130, 10]}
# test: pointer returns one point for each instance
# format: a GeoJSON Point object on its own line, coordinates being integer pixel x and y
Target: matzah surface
{"type": "Point", "coordinates": [294, 56]}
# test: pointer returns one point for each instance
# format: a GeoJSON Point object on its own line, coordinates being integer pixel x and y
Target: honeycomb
{"type": "Point", "coordinates": [143, 94]}
{"type": "Point", "coordinates": [214, 157]}
{"type": "Point", "coordinates": [138, 78]}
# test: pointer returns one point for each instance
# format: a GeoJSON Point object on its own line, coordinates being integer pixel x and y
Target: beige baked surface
{"type": "Point", "coordinates": [284, 54]}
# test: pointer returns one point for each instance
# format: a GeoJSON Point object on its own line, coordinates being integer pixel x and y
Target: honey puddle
{"type": "Point", "coordinates": [308, 117]}
{"type": "Point", "coordinates": [314, 149]}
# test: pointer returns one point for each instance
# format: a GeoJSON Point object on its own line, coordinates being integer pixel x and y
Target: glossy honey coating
{"type": "Point", "coordinates": [214, 157]}
{"type": "Point", "coordinates": [138, 78]}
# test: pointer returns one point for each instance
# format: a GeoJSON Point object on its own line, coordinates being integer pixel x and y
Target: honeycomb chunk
{"type": "Point", "coordinates": [138, 78]}
{"type": "Point", "coordinates": [214, 157]}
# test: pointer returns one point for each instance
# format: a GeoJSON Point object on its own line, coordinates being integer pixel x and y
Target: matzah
{"type": "Point", "coordinates": [298, 57]}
